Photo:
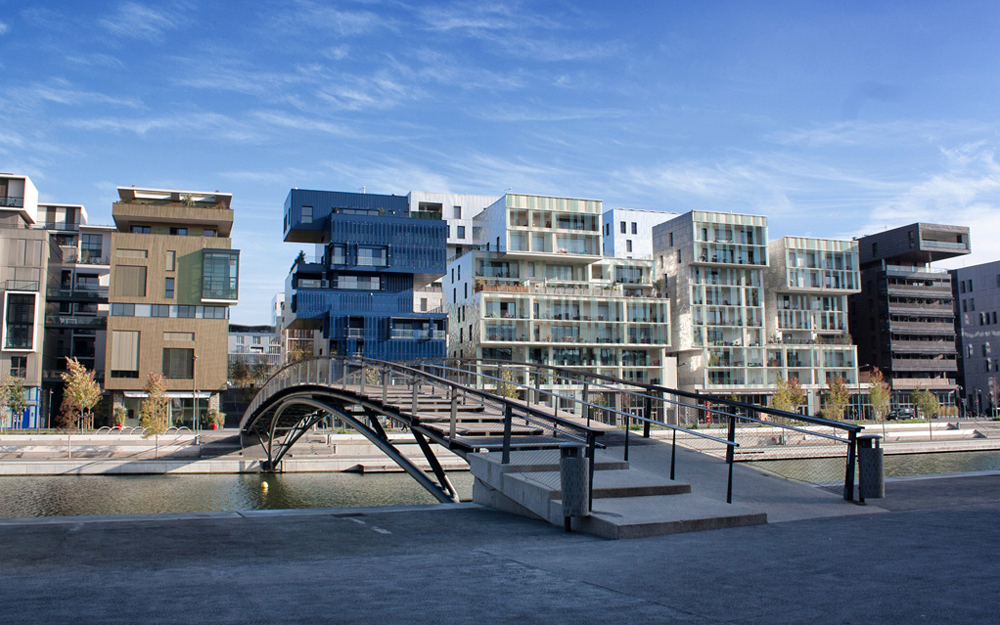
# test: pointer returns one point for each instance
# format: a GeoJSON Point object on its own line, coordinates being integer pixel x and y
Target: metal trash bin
{"type": "Point", "coordinates": [575, 476]}
{"type": "Point", "coordinates": [871, 472]}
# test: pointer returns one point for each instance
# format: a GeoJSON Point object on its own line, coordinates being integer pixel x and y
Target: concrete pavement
{"type": "Point", "coordinates": [929, 556]}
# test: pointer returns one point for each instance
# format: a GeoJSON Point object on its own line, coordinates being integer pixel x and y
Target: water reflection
{"type": "Point", "coordinates": [828, 469]}
{"type": "Point", "coordinates": [30, 496]}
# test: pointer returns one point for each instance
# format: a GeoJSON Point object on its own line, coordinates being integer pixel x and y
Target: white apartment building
{"type": "Point", "coordinates": [538, 289]}
{"type": "Point", "coordinates": [628, 232]}
{"type": "Point", "coordinates": [746, 312]}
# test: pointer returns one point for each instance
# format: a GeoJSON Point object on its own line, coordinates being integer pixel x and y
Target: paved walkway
{"type": "Point", "coordinates": [930, 555]}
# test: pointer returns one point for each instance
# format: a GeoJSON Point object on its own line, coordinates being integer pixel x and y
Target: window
{"type": "Point", "coordinates": [181, 232]}
{"type": "Point", "coordinates": [130, 281]}
{"type": "Point", "coordinates": [970, 285]}
{"type": "Point", "coordinates": [19, 330]}
{"type": "Point", "coordinates": [178, 363]}
{"type": "Point", "coordinates": [423, 304]}
{"type": "Point", "coordinates": [159, 310]}
{"type": "Point", "coordinates": [186, 312]}
{"type": "Point", "coordinates": [338, 254]}
{"type": "Point", "coordinates": [220, 275]}
{"type": "Point", "coordinates": [215, 312]}
{"type": "Point", "coordinates": [628, 245]}
{"type": "Point", "coordinates": [671, 235]}
{"type": "Point", "coordinates": [461, 232]}
{"type": "Point", "coordinates": [459, 272]}
{"type": "Point", "coordinates": [307, 214]}
{"type": "Point", "coordinates": [456, 212]}
{"type": "Point", "coordinates": [359, 283]}
{"type": "Point", "coordinates": [123, 253]}
{"type": "Point", "coordinates": [622, 227]}
{"type": "Point", "coordinates": [369, 256]}
{"type": "Point", "coordinates": [140, 230]}
{"type": "Point", "coordinates": [91, 247]}
{"type": "Point", "coordinates": [171, 260]}
{"type": "Point", "coordinates": [123, 310]}
{"type": "Point", "coordinates": [168, 288]}
{"type": "Point", "coordinates": [607, 231]}
{"type": "Point", "coordinates": [124, 354]}
{"type": "Point", "coordinates": [209, 232]}
{"type": "Point", "coordinates": [678, 256]}
{"type": "Point", "coordinates": [178, 336]}
{"type": "Point", "coordinates": [19, 366]}
{"type": "Point", "coordinates": [635, 228]}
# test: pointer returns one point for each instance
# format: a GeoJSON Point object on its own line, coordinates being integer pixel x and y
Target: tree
{"type": "Point", "coordinates": [879, 395]}
{"type": "Point", "coordinates": [835, 399]}
{"type": "Point", "coordinates": [82, 392]}
{"type": "Point", "coordinates": [301, 258]}
{"type": "Point", "coordinates": [12, 396]}
{"type": "Point", "coordinates": [994, 395]}
{"type": "Point", "coordinates": [927, 405]}
{"type": "Point", "coordinates": [788, 395]}
{"type": "Point", "coordinates": [154, 414]}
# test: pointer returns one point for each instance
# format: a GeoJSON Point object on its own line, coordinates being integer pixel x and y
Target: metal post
{"type": "Point", "coordinates": [647, 410]}
{"type": "Point", "coordinates": [507, 417]}
{"type": "Point", "coordinates": [454, 414]}
{"type": "Point", "coordinates": [586, 402]}
{"type": "Point", "coordinates": [673, 455]}
{"type": "Point", "coordinates": [591, 450]}
{"type": "Point", "coordinates": [364, 374]}
{"type": "Point", "coordinates": [386, 377]}
{"type": "Point", "coordinates": [852, 449]}
{"type": "Point", "coordinates": [413, 402]}
{"type": "Point", "coordinates": [628, 424]}
{"type": "Point", "coordinates": [730, 454]}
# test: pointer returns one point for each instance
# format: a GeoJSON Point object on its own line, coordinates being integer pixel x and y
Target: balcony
{"type": "Point", "coordinates": [11, 201]}
{"type": "Point", "coordinates": [80, 293]}
{"type": "Point", "coordinates": [71, 321]}
{"type": "Point", "coordinates": [920, 365]}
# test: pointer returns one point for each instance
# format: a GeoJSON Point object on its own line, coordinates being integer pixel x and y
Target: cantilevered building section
{"type": "Point", "coordinates": [173, 279]}
{"type": "Point", "coordinates": [372, 252]}
{"type": "Point", "coordinates": [904, 319]}
{"type": "Point", "coordinates": [537, 289]}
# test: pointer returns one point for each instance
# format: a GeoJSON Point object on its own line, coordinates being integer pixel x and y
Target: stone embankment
{"type": "Point", "coordinates": [108, 453]}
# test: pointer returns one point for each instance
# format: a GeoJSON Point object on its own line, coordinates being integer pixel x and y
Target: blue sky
{"type": "Point", "coordinates": [833, 119]}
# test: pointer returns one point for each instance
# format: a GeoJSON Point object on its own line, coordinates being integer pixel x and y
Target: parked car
{"type": "Point", "coordinates": [902, 413]}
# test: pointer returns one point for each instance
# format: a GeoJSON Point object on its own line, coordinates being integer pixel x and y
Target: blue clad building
{"type": "Point", "coordinates": [372, 251]}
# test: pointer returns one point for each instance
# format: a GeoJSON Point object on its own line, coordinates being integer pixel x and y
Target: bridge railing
{"type": "Point", "coordinates": [803, 447]}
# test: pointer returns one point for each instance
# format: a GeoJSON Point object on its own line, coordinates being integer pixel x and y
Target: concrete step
{"type": "Point", "coordinates": [638, 517]}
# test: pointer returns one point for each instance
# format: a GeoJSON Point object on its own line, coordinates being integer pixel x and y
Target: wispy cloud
{"type": "Point", "coordinates": [307, 15]}
{"type": "Point", "coordinates": [60, 91]}
{"type": "Point", "coordinates": [197, 124]}
{"type": "Point", "coordinates": [878, 134]}
{"type": "Point", "coordinates": [4, 28]}
{"type": "Point", "coordinates": [139, 21]}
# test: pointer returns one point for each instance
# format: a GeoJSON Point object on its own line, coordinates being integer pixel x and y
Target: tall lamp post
{"type": "Point", "coordinates": [861, 407]}
{"type": "Point", "coordinates": [194, 391]}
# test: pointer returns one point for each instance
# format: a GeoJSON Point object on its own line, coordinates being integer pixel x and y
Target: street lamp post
{"type": "Point", "coordinates": [194, 391]}
{"type": "Point", "coordinates": [861, 408]}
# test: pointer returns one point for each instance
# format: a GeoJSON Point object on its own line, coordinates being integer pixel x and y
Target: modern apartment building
{"type": "Point", "coordinates": [806, 287]}
{"type": "Point", "coordinates": [23, 250]}
{"type": "Point", "coordinates": [173, 278]}
{"type": "Point", "coordinates": [746, 313]}
{"type": "Point", "coordinates": [373, 252]}
{"type": "Point", "coordinates": [903, 320]}
{"type": "Point", "coordinates": [538, 289]}
{"type": "Point", "coordinates": [458, 210]}
{"type": "Point", "coordinates": [257, 347]}
{"type": "Point", "coordinates": [628, 232]}
{"type": "Point", "coordinates": [79, 273]}
{"type": "Point", "coordinates": [976, 291]}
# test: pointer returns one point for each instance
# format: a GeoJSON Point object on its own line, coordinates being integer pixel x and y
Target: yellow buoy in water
{"type": "Point", "coordinates": [263, 485]}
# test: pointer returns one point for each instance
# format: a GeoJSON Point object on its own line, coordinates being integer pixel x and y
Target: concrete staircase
{"type": "Point", "coordinates": [628, 502]}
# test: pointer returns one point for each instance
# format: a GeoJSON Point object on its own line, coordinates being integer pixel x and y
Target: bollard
{"type": "Point", "coordinates": [573, 468]}
{"type": "Point", "coordinates": [871, 473]}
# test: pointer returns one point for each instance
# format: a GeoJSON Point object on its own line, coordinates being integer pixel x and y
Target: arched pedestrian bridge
{"type": "Point", "coordinates": [473, 405]}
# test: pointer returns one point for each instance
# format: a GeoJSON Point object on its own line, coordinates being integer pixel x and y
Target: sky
{"type": "Point", "coordinates": [834, 119]}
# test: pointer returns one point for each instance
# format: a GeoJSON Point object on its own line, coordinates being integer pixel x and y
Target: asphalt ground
{"type": "Point", "coordinates": [928, 553]}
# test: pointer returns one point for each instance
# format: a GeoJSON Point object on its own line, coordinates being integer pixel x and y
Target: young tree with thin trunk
{"type": "Point", "coordinates": [12, 396]}
{"type": "Point", "coordinates": [788, 395]}
{"type": "Point", "coordinates": [154, 413]}
{"type": "Point", "coordinates": [835, 399]}
{"type": "Point", "coordinates": [994, 396]}
{"type": "Point", "coordinates": [82, 392]}
{"type": "Point", "coordinates": [879, 395]}
{"type": "Point", "coordinates": [927, 405]}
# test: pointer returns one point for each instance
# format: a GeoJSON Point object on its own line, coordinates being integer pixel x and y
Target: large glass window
{"type": "Point", "coordinates": [178, 363]}
{"type": "Point", "coordinates": [20, 330]}
{"type": "Point", "coordinates": [220, 274]}
{"type": "Point", "coordinates": [369, 256]}
{"type": "Point", "coordinates": [91, 248]}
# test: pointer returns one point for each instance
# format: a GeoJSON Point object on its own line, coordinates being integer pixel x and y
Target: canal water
{"type": "Point", "coordinates": [44, 496]}
{"type": "Point", "coordinates": [40, 496]}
